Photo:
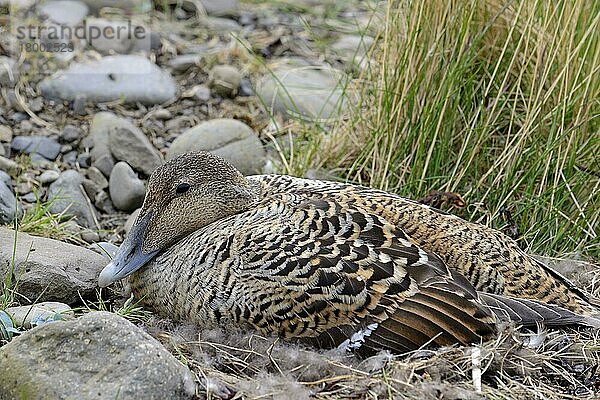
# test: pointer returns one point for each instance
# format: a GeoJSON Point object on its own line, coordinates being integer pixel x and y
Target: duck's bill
{"type": "Point", "coordinates": [130, 257]}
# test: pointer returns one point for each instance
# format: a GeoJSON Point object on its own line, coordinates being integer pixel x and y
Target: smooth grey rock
{"type": "Point", "coordinates": [65, 148]}
{"type": "Point", "coordinates": [103, 203]}
{"type": "Point", "coordinates": [68, 198]}
{"type": "Point", "coordinates": [178, 123]}
{"type": "Point", "coordinates": [128, 5]}
{"type": "Point", "coordinates": [84, 160]}
{"type": "Point", "coordinates": [184, 62]}
{"type": "Point", "coordinates": [115, 137]}
{"type": "Point", "coordinates": [9, 74]}
{"type": "Point", "coordinates": [228, 138]}
{"type": "Point", "coordinates": [129, 77]}
{"type": "Point", "coordinates": [246, 88]}
{"type": "Point", "coordinates": [105, 164]}
{"type": "Point", "coordinates": [98, 356]}
{"type": "Point", "coordinates": [220, 7]}
{"type": "Point", "coordinates": [49, 270]}
{"type": "Point", "coordinates": [126, 189]}
{"type": "Point", "coordinates": [70, 133]}
{"type": "Point", "coordinates": [225, 80]}
{"type": "Point", "coordinates": [128, 143]}
{"type": "Point", "coordinates": [44, 146]}
{"type": "Point", "coordinates": [9, 208]}
{"type": "Point", "coordinates": [6, 134]}
{"type": "Point", "coordinates": [5, 178]}
{"type": "Point", "coordinates": [64, 12]}
{"type": "Point", "coordinates": [70, 158]}
{"type": "Point", "coordinates": [126, 36]}
{"type": "Point", "coordinates": [72, 227]}
{"type": "Point", "coordinates": [79, 104]}
{"type": "Point", "coordinates": [117, 43]}
{"type": "Point", "coordinates": [36, 104]}
{"type": "Point", "coordinates": [26, 125]}
{"type": "Point", "coordinates": [96, 176]}
{"type": "Point", "coordinates": [48, 177]}
{"type": "Point", "coordinates": [305, 91]}
{"type": "Point", "coordinates": [219, 25]}
{"type": "Point", "coordinates": [36, 314]}
{"type": "Point", "coordinates": [99, 136]}
{"type": "Point", "coordinates": [201, 92]}
{"type": "Point", "coordinates": [352, 48]}
{"type": "Point", "coordinates": [30, 198]}
{"type": "Point", "coordinates": [8, 165]}
{"type": "Point", "coordinates": [161, 114]}
{"type": "Point", "coordinates": [91, 188]}
{"type": "Point", "coordinates": [24, 186]}
{"type": "Point", "coordinates": [19, 115]}
{"type": "Point", "coordinates": [89, 236]}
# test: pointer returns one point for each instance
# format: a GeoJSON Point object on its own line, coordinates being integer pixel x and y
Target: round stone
{"type": "Point", "coordinates": [225, 80]}
{"type": "Point", "coordinates": [231, 139]}
{"type": "Point", "coordinates": [126, 189]}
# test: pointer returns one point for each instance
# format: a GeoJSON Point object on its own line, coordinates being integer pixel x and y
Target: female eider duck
{"type": "Point", "coordinates": [331, 264]}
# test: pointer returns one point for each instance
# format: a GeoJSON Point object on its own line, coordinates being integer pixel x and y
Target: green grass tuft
{"type": "Point", "coordinates": [498, 101]}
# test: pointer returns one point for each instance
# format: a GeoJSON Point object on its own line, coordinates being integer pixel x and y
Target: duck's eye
{"type": "Point", "coordinates": [182, 188]}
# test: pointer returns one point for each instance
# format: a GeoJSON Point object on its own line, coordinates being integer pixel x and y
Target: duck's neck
{"type": "Point", "coordinates": [257, 189]}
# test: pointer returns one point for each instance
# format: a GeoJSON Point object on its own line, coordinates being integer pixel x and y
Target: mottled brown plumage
{"type": "Point", "coordinates": [326, 263]}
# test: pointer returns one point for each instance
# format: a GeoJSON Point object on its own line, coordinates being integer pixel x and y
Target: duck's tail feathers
{"type": "Point", "coordinates": [529, 312]}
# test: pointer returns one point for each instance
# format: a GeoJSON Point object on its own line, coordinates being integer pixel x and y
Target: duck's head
{"type": "Point", "coordinates": [184, 194]}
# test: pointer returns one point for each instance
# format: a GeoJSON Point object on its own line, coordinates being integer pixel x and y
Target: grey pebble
{"type": "Point", "coordinates": [185, 61]}
{"type": "Point", "coordinates": [79, 104]}
{"type": "Point", "coordinates": [225, 80]}
{"type": "Point", "coordinates": [9, 74]}
{"type": "Point", "coordinates": [30, 197]}
{"type": "Point", "coordinates": [84, 160]}
{"type": "Point", "coordinates": [161, 114]}
{"type": "Point", "coordinates": [64, 12]}
{"type": "Point", "coordinates": [91, 188]}
{"type": "Point", "coordinates": [36, 104]}
{"type": "Point", "coordinates": [294, 88]}
{"type": "Point", "coordinates": [70, 133]}
{"type": "Point", "coordinates": [220, 7]}
{"type": "Point", "coordinates": [4, 177]}
{"type": "Point", "coordinates": [44, 146]}
{"type": "Point", "coordinates": [129, 144]}
{"type": "Point", "coordinates": [90, 236]}
{"type": "Point", "coordinates": [103, 203]}
{"type": "Point", "coordinates": [201, 92]}
{"type": "Point", "coordinates": [67, 197]}
{"type": "Point", "coordinates": [50, 270]}
{"type": "Point", "coordinates": [228, 138]}
{"type": "Point", "coordinates": [96, 176]}
{"type": "Point", "coordinates": [6, 134]}
{"type": "Point", "coordinates": [126, 189]}
{"type": "Point", "coordinates": [9, 208]}
{"type": "Point", "coordinates": [70, 158]}
{"type": "Point", "coordinates": [48, 177]}
{"type": "Point", "coordinates": [219, 25]}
